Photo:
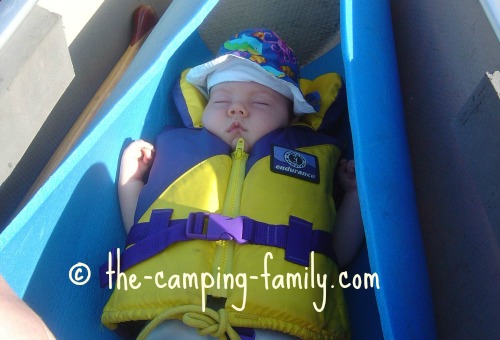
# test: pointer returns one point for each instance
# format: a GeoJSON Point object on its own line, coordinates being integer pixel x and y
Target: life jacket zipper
{"type": "Point", "coordinates": [223, 260]}
{"type": "Point", "coordinates": [232, 200]}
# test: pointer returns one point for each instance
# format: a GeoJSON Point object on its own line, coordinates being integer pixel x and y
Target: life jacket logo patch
{"type": "Point", "coordinates": [295, 163]}
{"type": "Point", "coordinates": [295, 159]}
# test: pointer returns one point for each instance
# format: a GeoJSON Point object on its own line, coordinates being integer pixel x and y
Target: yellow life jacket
{"type": "Point", "coordinates": [249, 231]}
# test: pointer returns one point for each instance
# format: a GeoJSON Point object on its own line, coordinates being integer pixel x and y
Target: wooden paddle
{"type": "Point", "coordinates": [143, 20]}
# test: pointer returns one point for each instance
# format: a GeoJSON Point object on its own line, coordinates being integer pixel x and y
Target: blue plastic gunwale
{"type": "Point", "coordinates": [383, 170]}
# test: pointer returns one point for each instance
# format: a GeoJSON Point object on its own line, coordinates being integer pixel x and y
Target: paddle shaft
{"type": "Point", "coordinates": [144, 19]}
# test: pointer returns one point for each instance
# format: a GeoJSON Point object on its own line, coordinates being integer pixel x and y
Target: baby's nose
{"type": "Point", "coordinates": [238, 109]}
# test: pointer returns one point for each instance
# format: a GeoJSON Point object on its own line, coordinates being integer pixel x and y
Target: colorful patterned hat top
{"type": "Point", "coordinates": [258, 55]}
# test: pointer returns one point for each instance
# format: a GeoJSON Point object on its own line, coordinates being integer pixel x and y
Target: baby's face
{"type": "Point", "coordinates": [245, 109]}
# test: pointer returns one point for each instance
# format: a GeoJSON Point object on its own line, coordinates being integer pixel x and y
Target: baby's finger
{"type": "Point", "coordinates": [147, 155]}
{"type": "Point", "coordinates": [144, 145]}
{"type": "Point", "coordinates": [147, 152]}
{"type": "Point", "coordinates": [135, 149]}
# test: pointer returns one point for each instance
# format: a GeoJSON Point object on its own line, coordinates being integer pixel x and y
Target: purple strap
{"type": "Point", "coordinates": [298, 239]}
{"type": "Point", "coordinates": [150, 238]}
{"type": "Point", "coordinates": [159, 219]}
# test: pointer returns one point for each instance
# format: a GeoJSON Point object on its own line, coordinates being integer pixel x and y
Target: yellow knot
{"type": "Point", "coordinates": [208, 322]}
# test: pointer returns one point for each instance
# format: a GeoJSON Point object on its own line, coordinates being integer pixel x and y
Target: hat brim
{"type": "Point", "coordinates": [198, 77]}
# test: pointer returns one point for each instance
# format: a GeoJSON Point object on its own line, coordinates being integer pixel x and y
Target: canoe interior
{"type": "Point", "coordinates": [75, 216]}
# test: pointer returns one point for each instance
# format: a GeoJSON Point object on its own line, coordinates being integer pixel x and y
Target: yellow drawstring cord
{"type": "Point", "coordinates": [209, 322]}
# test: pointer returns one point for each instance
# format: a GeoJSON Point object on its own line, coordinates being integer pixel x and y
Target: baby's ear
{"type": "Point", "coordinates": [189, 101]}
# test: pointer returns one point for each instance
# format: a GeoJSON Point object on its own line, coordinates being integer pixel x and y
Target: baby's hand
{"type": "Point", "coordinates": [347, 175]}
{"type": "Point", "coordinates": [136, 161]}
